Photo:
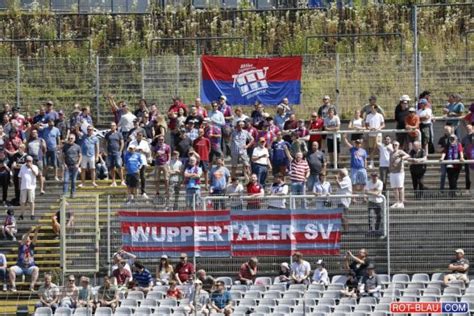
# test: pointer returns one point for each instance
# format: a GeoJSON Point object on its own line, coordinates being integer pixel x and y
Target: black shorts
{"type": "Point", "coordinates": [204, 165]}
{"type": "Point", "coordinates": [132, 180]}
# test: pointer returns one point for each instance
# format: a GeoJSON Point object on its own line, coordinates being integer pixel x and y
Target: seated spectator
{"type": "Point", "coordinates": [248, 271]}
{"type": "Point", "coordinates": [358, 264]}
{"type": "Point", "coordinates": [320, 275]}
{"type": "Point", "coordinates": [459, 268]}
{"type": "Point", "coordinates": [48, 294]}
{"type": "Point", "coordinates": [69, 294]}
{"type": "Point", "coordinates": [184, 270]}
{"type": "Point", "coordinates": [121, 255]}
{"type": "Point", "coordinates": [220, 300]}
{"type": "Point", "coordinates": [173, 291]}
{"type": "Point", "coordinates": [284, 275]}
{"type": "Point", "coordinates": [199, 298]}
{"type": "Point", "coordinates": [351, 288]}
{"type": "Point", "coordinates": [107, 295]}
{"type": "Point", "coordinates": [3, 271]}
{"type": "Point", "coordinates": [370, 284]}
{"type": "Point", "coordinates": [279, 188]}
{"type": "Point", "coordinates": [121, 275]}
{"type": "Point", "coordinates": [85, 297]}
{"type": "Point", "coordinates": [142, 277]}
{"type": "Point", "coordinates": [300, 269]}
{"type": "Point", "coordinates": [26, 260]}
{"type": "Point", "coordinates": [207, 281]}
{"type": "Point", "coordinates": [453, 151]}
{"type": "Point", "coordinates": [164, 271]}
{"type": "Point", "coordinates": [9, 229]}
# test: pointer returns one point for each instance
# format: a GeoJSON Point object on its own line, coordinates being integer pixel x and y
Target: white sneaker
{"type": "Point", "coordinates": [401, 205]}
{"type": "Point", "coordinates": [114, 184]}
{"type": "Point", "coordinates": [145, 196]}
{"type": "Point", "coordinates": [4, 288]}
{"type": "Point", "coordinates": [371, 165]}
{"type": "Point", "coordinates": [395, 205]}
{"type": "Point", "coordinates": [13, 289]}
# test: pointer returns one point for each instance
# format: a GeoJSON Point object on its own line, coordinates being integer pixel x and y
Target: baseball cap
{"type": "Point", "coordinates": [460, 251]}
{"type": "Point", "coordinates": [405, 97]}
{"type": "Point", "coordinates": [319, 262]}
{"type": "Point", "coordinates": [223, 97]}
{"type": "Point", "coordinates": [164, 257]}
{"type": "Point", "coordinates": [423, 101]}
{"type": "Point", "coordinates": [412, 109]}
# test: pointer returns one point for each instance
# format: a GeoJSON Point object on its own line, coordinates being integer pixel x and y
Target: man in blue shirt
{"type": "Point", "coordinates": [142, 277]}
{"type": "Point", "coordinates": [133, 163]}
{"type": "Point", "coordinates": [90, 154]}
{"type": "Point", "coordinates": [220, 177]}
{"type": "Point", "coordinates": [51, 136]}
{"type": "Point", "coordinates": [280, 154]}
{"type": "Point", "coordinates": [192, 181]}
{"type": "Point", "coordinates": [220, 301]}
{"type": "Point", "coordinates": [358, 164]}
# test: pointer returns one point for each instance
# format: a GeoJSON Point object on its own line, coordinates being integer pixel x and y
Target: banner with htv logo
{"type": "Point", "coordinates": [224, 233]}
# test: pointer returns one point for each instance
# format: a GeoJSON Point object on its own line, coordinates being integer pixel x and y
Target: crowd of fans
{"type": "Point", "coordinates": [189, 146]}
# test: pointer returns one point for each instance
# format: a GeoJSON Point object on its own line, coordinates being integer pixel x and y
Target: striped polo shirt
{"type": "Point", "coordinates": [143, 278]}
{"type": "Point", "coordinates": [298, 170]}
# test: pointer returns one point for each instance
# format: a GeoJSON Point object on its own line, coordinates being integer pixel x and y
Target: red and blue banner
{"type": "Point", "coordinates": [246, 80]}
{"type": "Point", "coordinates": [231, 233]}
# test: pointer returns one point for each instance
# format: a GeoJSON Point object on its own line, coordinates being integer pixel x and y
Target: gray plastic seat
{"type": "Point", "coordinates": [319, 287]}
{"type": "Point", "coordinates": [83, 311]}
{"type": "Point", "coordinates": [363, 308]}
{"type": "Point", "coordinates": [297, 287]}
{"type": "Point", "coordinates": [236, 295]}
{"type": "Point", "coordinates": [281, 287]}
{"type": "Point", "coordinates": [163, 310]}
{"type": "Point", "coordinates": [63, 311]}
{"type": "Point", "coordinates": [43, 311]}
{"type": "Point", "coordinates": [136, 295]}
{"type": "Point", "coordinates": [420, 278]}
{"type": "Point", "coordinates": [103, 311]}
{"type": "Point", "coordinates": [432, 291]}
{"type": "Point", "coordinates": [268, 302]}
{"type": "Point", "coordinates": [382, 308]}
{"type": "Point", "coordinates": [428, 299]}
{"type": "Point", "coordinates": [284, 309]}
{"type": "Point", "coordinates": [343, 308]}
{"type": "Point", "coordinates": [250, 302]}
{"type": "Point", "coordinates": [287, 302]}
{"type": "Point", "coordinates": [322, 308]}
{"type": "Point", "coordinates": [368, 300]}
{"type": "Point", "coordinates": [264, 309]}
{"type": "Point", "coordinates": [258, 288]}
{"type": "Point", "coordinates": [156, 295]}
{"type": "Point", "coordinates": [143, 310]}
{"type": "Point", "coordinates": [267, 281]}
{"type": "Point", "coordinates": [123, 311]}
{"type": "Point", "coordinates": [169, 302]}
{"type": "Point", "coordinates": [160, 288]}
{"type": "Point", "coordinates": [293, 294]}
{"type": "Point", "coordinates": [401, 278]}
{"type": "Point", "coordinates": [273, 294]}
{"type": "Point", "coordinates": [327, 301]}
{"type": "Point", "coordinates": [239, 287]}
{"type": "Point", "coordinates": [253, 294]}
{"type": "Point", "coordinates": [227, 281]}
{"type": "Point", "coordinates": [339, 279]}
{"type": "Point", "coordinates": [129, 302]}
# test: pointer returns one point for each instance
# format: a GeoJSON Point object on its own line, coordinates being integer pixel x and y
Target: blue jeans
{"type": "Point", "coordinates": [3, 275]}
{"type": "Point", "coordinates": [442, 178]}
{"type": "Point", "coordinates": [261, 171]}
{"type": "Point", "coordinates": [193, 195]}
{"type": "Point", "coordinates": [312, 180]}
{"type": "Point", "coordinates": [298, 188]}
{"type": "Point", "coordinates": [70, 175]}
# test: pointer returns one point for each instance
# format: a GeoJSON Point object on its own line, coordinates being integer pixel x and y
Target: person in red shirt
{"type": "Point", "coordinates": [316, 124]}
{"type": "Point", "coordinates": [202, 145]}
{"type": "Point", "coordinates": [184, 270]}
{"type": "Point", "coordinates": [248, 271]}
{"type": "Point", "coordinates": [173, 112]}
{"type": "Point", "coordinates": [173, 291]}
{"type": "Point", "coordinates": [122, 276]}
{"type": "Point", "coordinates": [256, 190]}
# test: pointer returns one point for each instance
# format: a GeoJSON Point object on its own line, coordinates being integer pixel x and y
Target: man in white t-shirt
{"type": "Point", "coordinates": [425, 114]}
{"type": "Point", "coordinates": [385, 149]}
{"type": "Point", "coordinates": [27, 175]}
{"type": "Point", "coordinates": [279, 187]}
{"type": "Point", "coordinates": [261, 161]}
{"type": "Point", "coordinates": [374, 122]}
{"type": "Point", "coordinates": [373, 189]}
{"type": "Point", "coordinates": [344, 187]}
{"type": "Point", "coordinates": [300, 269]}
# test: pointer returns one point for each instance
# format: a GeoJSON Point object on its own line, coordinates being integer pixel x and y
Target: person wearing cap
{"type": "Point", "coordinates": [248, 271]}
{"type": "Point", "coordinates": [184, 270]}
{"type": "Point", "coordinates": [320, 275]}
{"type": "Point", "coordinates": [261, 162]}
{"type": "Point", "coordinates": [370, 284]}
{"type": "Point", "coordinates": [454, 111]}
{"type": "Point", "coordinates": [28, 174]}
{"type": "Point", "coordinates": [418, 157]}
{"type": "Point", "coordinates": [375, 122]}
{"type": "Point", "coordinates": [133, 163]}
{"type": "Point", "coordinates": [198, 299]}
{"type": "Point", "coordinates": [459, 267]}
{"type": "Point", "coordinates": [468, 145]}
{"type": "Point", "coordinates": [300, 269]}
{"type": "Point", "coordinates": [425, 114]}
{"type": "Point", "coordinates": [284, 274]}
{"type": "Point", "coordinates": [358, 164]}
{"type": "Point", "coordinates": [367, 108]}
{"type": "Point", "coordinates": [412, 125]}
{"type": "Point", "coordinates": [425, 95]}
{"type": "Point", "coordinates": [50, 113]}
{"type": "Point", "coordinates": [324, 108]}
{"type": "Point", "coordinates": [374, 189]}
{"type": "Point", "coordinates": [401, 112]}
{"type": "Point", "coordinates": [164, 271]}
{"type": "Point", "coordinates": [453, 151]}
